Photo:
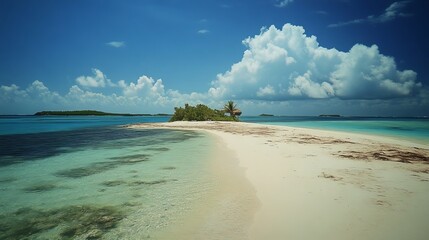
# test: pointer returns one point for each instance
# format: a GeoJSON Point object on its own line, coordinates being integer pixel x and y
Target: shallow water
{"type": "Point", "coordinates": [82, 178]}
{"type": "Point", "coordinates": [108, 182]}
{"type": "Point", "coordinates": [414, 129]}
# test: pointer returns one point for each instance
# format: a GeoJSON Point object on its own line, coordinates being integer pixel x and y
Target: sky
{"type": "Point", "coordinates": [284, 57]}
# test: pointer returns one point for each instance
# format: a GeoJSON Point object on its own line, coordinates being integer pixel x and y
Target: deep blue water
{"type": "Point", "coordinates": [35, 124]}
{"type": "Point", "coordinates": [25, 138]}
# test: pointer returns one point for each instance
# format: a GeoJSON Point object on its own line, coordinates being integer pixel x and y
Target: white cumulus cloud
{"type": "Point", "coordinates": [146, 89]}
{"type": "Point", "coordinates": [285, 64]}
{"type": "Point", "coordinates": [38, 90]}
{"type": "Point", "coordinates": [98, 80]}
{"type": "Point", "coordinates": [265, 91]}
{"type": "Point", "coordinates": [278, 66]}
{"type": "Point", "coordinates": [145, 95]}
{"type": "Point", "coordinates": [304, 86]}
{"type": "Point", "coordinates": [12, 92]}
{"type": "Point", "coordinates": [17, 101]}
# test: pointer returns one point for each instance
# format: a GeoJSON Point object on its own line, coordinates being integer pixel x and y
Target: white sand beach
{"type": "Point", "coordinates": [314, 184]}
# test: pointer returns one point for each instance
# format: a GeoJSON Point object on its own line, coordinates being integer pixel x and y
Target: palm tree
{"type": "Point", "coordinates": [231, 108]}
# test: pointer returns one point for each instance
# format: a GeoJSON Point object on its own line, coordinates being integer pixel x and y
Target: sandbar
{"type": "Point", "coordinates": [316, 184]}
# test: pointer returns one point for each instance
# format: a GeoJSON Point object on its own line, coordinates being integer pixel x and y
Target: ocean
{"type": "Point", "coordinates": [89, 177]}
{"type": "Point", "coordinates": [411, 129]}
{"type": "Point", "coordinates": [36, 124]}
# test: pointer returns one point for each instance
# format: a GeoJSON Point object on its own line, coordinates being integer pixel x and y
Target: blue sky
{"type": "Point", "coordinates": [286, 57]}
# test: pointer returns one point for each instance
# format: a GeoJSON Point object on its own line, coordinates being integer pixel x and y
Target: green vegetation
{"type": "Point", "coordinates": [200, 113]}
{"type": "Point", "coordinates": [91, 113]}
{"type": "Point", "coordinates": [231, 108]}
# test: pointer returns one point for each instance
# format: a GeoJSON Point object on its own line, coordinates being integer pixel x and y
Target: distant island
{"type": "Point", "coordinates": [92, 113]}
{"type": "Point", "coordinates": [266, 115]}
{"type": "Point", "coordinates": [329, 115]}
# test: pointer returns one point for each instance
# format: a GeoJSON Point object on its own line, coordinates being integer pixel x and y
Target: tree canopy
{"type": "Point", "coordinates": [199, 112]}
{"type": "Point", "coordinates": [231, 108]}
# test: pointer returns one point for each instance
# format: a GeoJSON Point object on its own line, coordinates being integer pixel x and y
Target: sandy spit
{"type": "Point", "coordinates": [314, 184]}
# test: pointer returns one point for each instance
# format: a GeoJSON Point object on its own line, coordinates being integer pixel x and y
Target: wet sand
{"type": "Point", "coordinates": [314, 184]}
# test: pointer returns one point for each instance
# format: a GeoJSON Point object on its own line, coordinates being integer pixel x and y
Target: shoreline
{"type": "Point", "coordinates": [327, 184]}
{"type": "Point", "coordinates": [414, 139]}
{"type": "Point", "coordinates": [227, 208]}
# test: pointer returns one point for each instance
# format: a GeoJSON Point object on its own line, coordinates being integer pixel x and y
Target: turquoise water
{"type": "Point", "coordinates": [409, 128]}
{"type": "Point", "coordinates": [416, 129]}
{"type": "Point", "coordinates": [108, 182]}
{"type": "Point", "coordinates": [88, 177]}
